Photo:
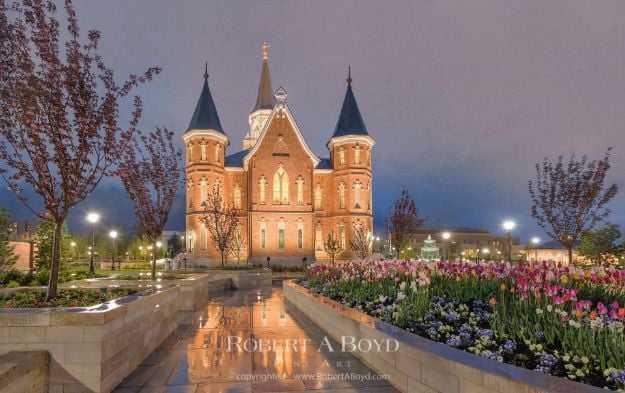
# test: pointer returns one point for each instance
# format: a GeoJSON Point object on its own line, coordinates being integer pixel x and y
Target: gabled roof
{"type": "Point", "coordinates": [350, 121]}
{"type": "Point", "coordinates": [265, 99]}
{"type": "Point", "coordinates": [281, 104]}
{"type": "Point", "coordinates": [205, 115]}
{"type": "Point", "coordinates": [236, 160]}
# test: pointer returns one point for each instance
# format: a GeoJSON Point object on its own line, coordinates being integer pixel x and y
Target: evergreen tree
{"type": "Point", "coordinates": [7, 257]}
{"type": "Point", "coordinates": [44, 243]}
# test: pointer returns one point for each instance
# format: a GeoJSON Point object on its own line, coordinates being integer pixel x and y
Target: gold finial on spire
{"type": "Point", "coordinates": [265, 49]}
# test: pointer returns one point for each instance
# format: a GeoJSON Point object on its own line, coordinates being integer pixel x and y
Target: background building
{"type": "Point", "coordinates": [289, 199]}
{"type": "Point", "coordinates": [468, 243]}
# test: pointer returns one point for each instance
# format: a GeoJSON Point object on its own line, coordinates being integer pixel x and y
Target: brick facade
{"type": "Point", "coordinates": [289, 199]}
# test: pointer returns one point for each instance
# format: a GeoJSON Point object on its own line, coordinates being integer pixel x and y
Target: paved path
{"type": "Point", "coordinates": [196, 358]}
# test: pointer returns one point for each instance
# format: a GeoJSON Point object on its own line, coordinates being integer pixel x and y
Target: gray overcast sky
{"type": "Point", "coordinates": [462, 97]}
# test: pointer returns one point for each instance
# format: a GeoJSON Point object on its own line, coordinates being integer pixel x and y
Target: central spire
{"type": "Point", "coordinates": [264, 100]}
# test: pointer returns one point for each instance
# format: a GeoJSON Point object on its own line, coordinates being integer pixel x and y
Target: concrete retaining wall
{"type": "Point", "coordinates": [92, 349]}
{"type": "Point", "coordinates": [422, 365]}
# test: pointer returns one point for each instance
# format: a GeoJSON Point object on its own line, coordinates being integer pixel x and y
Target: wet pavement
{"type": "Point", "coordinates": [249, 341]}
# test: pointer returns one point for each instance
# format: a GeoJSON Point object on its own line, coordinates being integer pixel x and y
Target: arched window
{"type": "Point", "coordinates": [190, 192]}
{"type": "Point", "coordinates": [300, 234]}
{"type": "Point", "coordinates": [281, 187]}
{"type": "Point", "coordinates": [217, 152]}
{"type": "Point", "coordinates": [281, 235]}
{"type": "Point", "coordinates": [300, 190]}
{"type": "Point", "coordinates": [203, 150]}
{"type": "Point", "coordinates": [262, 185]}
{"type": "Point", "coordinates": [203, 190]}
{"type": "Point", "coordinates": [341, 156]}
{"type": "Point", "coordinates": [263, 234]}
{"type": "Point", "coordinates": [357, 150]}
{"type": "Point", "coordinates": [342, 235]}
{"type": "Point", "coordinates": [342, 195]}
{"type": "Point", "coordinates": [318, 197]}
{"type": "Point", "coordinates": [237, 197]}
{"type": "Point", "coordinates": [190, 152]}
{"type": "Point", "coordinates": [319, 237]}
{"type": "Point", "coordinates": [369, 196]}
{"type": "Point", "coordinates": [357, 186]}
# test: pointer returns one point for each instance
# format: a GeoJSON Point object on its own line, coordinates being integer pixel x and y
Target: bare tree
{"type": "Point", "coordinates": [332, 246]}
{"type": "Point", "coordinates": [569, 198]}
{"type": "Point", "coordinates": [59, 112]}
{"type": "Point", "coordinates": [403, 221]}
{"type": "Point", "coordinates": [221, 221]}
{"type": "Point", "coordinates": [361, 242]}
{"type": "Point", "coordinates": [238, 245]}
{"type": "Point", "coordinates": [151, 174]}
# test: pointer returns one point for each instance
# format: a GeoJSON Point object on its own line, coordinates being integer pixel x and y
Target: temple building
{"type": "Point", "coordinates": [288, 198]}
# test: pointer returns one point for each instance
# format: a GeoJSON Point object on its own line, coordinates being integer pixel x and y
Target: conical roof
{"type": "Point", "coordinates": [350, 121]}
{"type": "Point", "coordinates": [205, 115]}
{"type": "Point", "coordinates": [264, 99]}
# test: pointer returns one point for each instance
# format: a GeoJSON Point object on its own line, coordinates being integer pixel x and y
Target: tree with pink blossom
{"type": "Point", "coordinates": [60, 129]}
{"type": "Point", "coordinates": [151, 174]}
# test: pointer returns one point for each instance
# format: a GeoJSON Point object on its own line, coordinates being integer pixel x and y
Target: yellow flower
{"type": "Point", "coordinates": [564, 279]}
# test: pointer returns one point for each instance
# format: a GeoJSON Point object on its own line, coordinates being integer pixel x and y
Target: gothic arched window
{"type": "Point", "coordinates": [342, 195]}
{"type": "Point", "coordinates": [342, 239]}
{"type": "Point", "coordinates": [237, 197]}
{"type": "Point", "coordinates": [319, 237]}
{"type": "Point", "coordinates": [357, 150]}
{"type": "Point", "coordinates": [218, 153]}
{"type": "Point", "coordinates": [262, 185]}
{"type": "Point", "coordinates": [357, 186]}
{"type": "Point", "coordinates": [341, 156]}
{"type": "Point", "coordinates": [300, 234]}
{"type": "Point", "coordinates": [318, 197]}
{"type": "Point", "coordinates": [300, 190]}
{"type": "Point", "coordinates": [203, 151]}
{"type": "Point", "coordinates": [203, 190]}
{"type": "Point", "coordinates": [281, 235]}
{"type": "Point", "coordinates": [263, 234]}
{"type": "Point", "coordinates": [281, 187]}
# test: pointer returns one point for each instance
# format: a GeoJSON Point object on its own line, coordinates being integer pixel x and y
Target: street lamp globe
{"type": "Point", "coordinates": [535, 241]}
{"type": "Point", "coordinates": [446, 235]}
{"type": "Point", "coordinates": [113, 234]}
{"type": "Point", "coordinates": [509, 225]}
{"type": "Point", "coordinates": [159, 244]}
{"type": "Point", "coordinates": [73, 244]}
{"type": "Point", "coordinates": [485, 250]}
{"type": "Point", "coordinates": [93, 217]}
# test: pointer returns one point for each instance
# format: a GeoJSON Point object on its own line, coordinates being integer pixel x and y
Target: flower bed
{"type": "Point", "coordinates": [562, 321]}
{"type": "Point", "coordinates": [65, 298]}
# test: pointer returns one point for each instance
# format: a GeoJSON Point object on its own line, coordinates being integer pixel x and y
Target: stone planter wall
{"type": "Point", "coordinates": [244, 279]}
{"type": "Point", "coordinates": [421, 365]}
{"type": "Point", "coordinates": [92, 349]}
{"type": "Point", "coordinates": [24, 372]}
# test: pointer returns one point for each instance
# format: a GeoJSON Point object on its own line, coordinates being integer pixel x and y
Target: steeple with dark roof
{"type": "Point", "coordinates": [265, 99]}
{"type": "Point", "coordinates": [205, 115]}
{"type": "Point", "coordinates": [350, 122]}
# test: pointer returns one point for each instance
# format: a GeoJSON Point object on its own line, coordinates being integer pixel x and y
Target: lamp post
{"type": "Point", "coordinates": [92, 218]}
{"type": "Point", "coordinates": [535, 241]}
{"type": "Point", "coordinates": [113, 235]}
{"type": "Point", "coordinates": [446, 237]}
{"type": "Point", "coordinates": [509, 225]}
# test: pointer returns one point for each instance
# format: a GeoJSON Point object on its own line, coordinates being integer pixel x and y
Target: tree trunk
{"type": "Point", "coordinates": [222, 259]}
{"type": "Point", "coordinates": [55, 263]}
{"type": "Point", "coordinates": [570, 254]}
{"type": "Point", "coordinates": [153, 259]}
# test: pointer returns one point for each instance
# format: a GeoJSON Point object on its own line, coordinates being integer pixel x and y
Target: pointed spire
{"type": "Point", "coordinates": [264, 100]}
{"type": "Point", "coordinates": [350, 121]}
{"type": "Point", "coordinates": [205, 115]}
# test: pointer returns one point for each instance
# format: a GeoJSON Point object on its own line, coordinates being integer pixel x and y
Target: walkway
{"type": "Point", "coordinates": [208, 353]}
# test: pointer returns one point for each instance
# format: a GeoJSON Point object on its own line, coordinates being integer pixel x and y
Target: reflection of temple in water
{"type": "Point", "coordinates": [250, 317]}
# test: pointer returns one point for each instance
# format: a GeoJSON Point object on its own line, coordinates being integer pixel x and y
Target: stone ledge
{"type": "Point", "coordinates": [442, 368]}
{"type": "Point", "coordinates": [24, 372]}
